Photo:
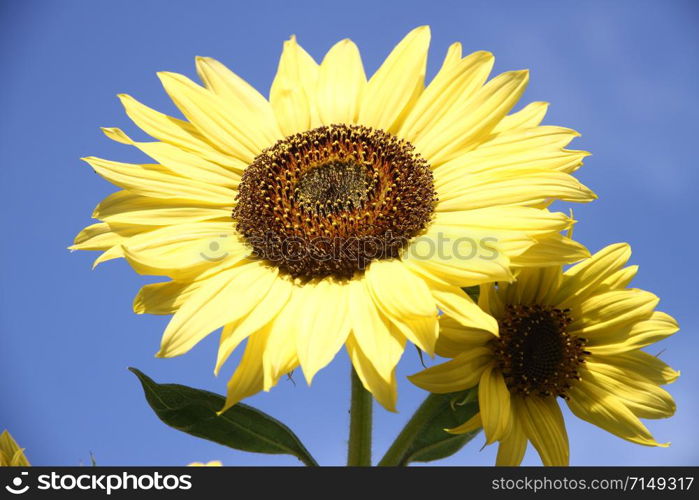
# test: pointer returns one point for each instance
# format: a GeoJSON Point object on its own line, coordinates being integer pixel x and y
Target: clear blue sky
{"type": "Point", "coordinates": [623, 73]}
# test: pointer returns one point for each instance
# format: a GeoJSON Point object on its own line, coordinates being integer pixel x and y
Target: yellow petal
{"type": "Point", "coordinates": [224, 298]}
{"type": "Point", "coordinates": [179, 161]}
{"type": "Point", "coordinates": [542, 422]}
{"type": "Point", "coordinates": [163, 298]}
{"type": "Point", "coordinates": [293, 89]}
{"type": "Point", "coordinates": [633, 335]}
{"type": "Point", "coordinates": [599, 407]}
{"type": "Point", "coordinates": [157, 182]}
{"type": "Point", "coordinates": [341, 82]}
{"type": "Point", "coordinates": [513, 446]}
{"type": "Point", "coordinates": [212, 463]}
{"type": "Point", "coordinates": [529, 116]}
{"type": "Point", "coordinates": [280, 356]}
{"type": "Point", "coordinates": [472, 424]}
{"type": "Point", "coordinates": [10, 449]}
{"type": "Point", "coordinates": [395, 86]}
{"type": "Point", "coordinates": [384, 391]}
{"type": "Point", "coordinates": [539, 147]}
{"type": "Point", "coordinates": [373, 332]}
{"type": "Point", "coordinates": [551, 250]}
{"type": "Point", "coordinates": [265, 311]}
{"type": "Point", "coordinates": [406, 300]}
{"type": "Point", "coordinates": [459, 374]}
{"type": "Point", "coordinates": [176, 132]}
{"type": "Point", "coordinates": [217, 120]}
{"type": "Point", "coordinates": [454, 84]}
{"type": "Point", "coordinates": [456, 303]}
{"type": "Point", "coordinates": [462, 126]}
{"type": "Point", "coordinates": [129, 208]}
{"type": "Point", "coordinates": [603, 315]}
{"type": "Point", "coordinates": [247, 378]}
{"type": "Point", "coordinates": [466, 257]}
{"type": "Point", "coordinates": [583, 279]}
{"type": "Point", "coordinates": [494, 403]}
{"type": "Point", "coordinates": [240, 94]}
{"type": "Point", "coordinates": [325, 325]}
{"type": "Point", "coordinates": [454, 338]}
{"type": "Point", "coordinates": [643, 398]}
{"type": "Point", "coordinates": [520, 186]}
{"type": "Point", "coordinates": [185, 250]}
{"type": "Point", "coordinates": [102, 236]}
{"type": "Point", "coordinates": [642, 364]}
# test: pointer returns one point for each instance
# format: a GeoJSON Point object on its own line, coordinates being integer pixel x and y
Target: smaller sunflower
{"type": "Point", "coordinates": [576, 335]}
{"type": "Point", "coordinates": [11, 455]}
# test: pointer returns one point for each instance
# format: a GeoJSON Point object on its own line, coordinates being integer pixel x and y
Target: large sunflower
{"type": "Point", "coordinates": [575, 335]}
{"type": "Point", "coordinates": [286, 221]}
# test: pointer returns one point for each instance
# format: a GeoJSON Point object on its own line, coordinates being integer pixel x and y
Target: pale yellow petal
{"type": "Point", "coordinates": [163, 298]}
{"type": "Point", "coordinates": [221, 123]}
{"type": "Point", "coordinates": [583, 279]}
{"type": "Point", "coordinates": [385, 391]}
{"type": "Point", "coordinates": [539, 147]}
{"type": "Point", "coordinates": [341, 82]}
{"type": "Point", "coordinates": [456, 303]}
{"type": "Point", "coordinates": [293, 90]}
{"type": "Point", "coordinates": [406, 300]}
{"type": "Point", "coordinates": [518, 186]}
{"type": "Point", "coordinates": [552, 250]}
{"type": "Point", "coordinates": [454, 338]}
{"type": "Point", "coordinates": [222, 299]}
{"type": "Point", "coordinates": [261, 314]}
{"type": "Point", "coordinates": [181, 162]}
{"type": "Point", "coordinates": [529, 116]}
{"type": "Point", "coordinates": [281, 357]}
{"type": "Point", "coordinates": [325, 325]}
{"type": "Point", "coordinates": [463, 126]}
{"type": "Point", "coordinates": [248, 377]}
{"type": "Point", "coordinates": [603, 315]}
{"type": "Point", "coordinates": [454, 84]}
{"type": "Point", "coordinates": [373, 332]}
{"type": "Point", "coordinates": [126, 207]}
{"type": "Point", "coordinates": [158, 182]}
{"type": "Point", "coordinates": [243, 96]}
{"type": "Point", "coordinates": [185, 250]}
{"type": "Point", "coordinates": [396, 85]}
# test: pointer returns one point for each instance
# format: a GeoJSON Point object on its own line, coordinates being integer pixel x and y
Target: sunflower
{"type": "Point", "coordinates": [576, 335]}
{"type": "Point", "coordinates": [11, 455]}
{"type": "Point", "coordinates": [287, 221]}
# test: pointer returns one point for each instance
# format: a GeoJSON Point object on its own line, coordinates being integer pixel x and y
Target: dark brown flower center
{"type": "Point", "coordinates": [328, 201]}
{"type": "Point", "coordinates": [534, 351]}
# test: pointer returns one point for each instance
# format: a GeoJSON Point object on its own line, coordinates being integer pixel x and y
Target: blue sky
{"type": "Point", "coordinates": [622, 73]}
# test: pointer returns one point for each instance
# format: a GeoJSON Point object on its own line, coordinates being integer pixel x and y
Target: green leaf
{"type": "Point", "coordinates": [433, 443]}
{"type": "Point", "coordinates": [241, 427]}
{"type": "Point", "coordinates": [424, 439]}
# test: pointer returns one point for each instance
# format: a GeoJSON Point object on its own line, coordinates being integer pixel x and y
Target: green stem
{"type": "Point", "coordinates": [397, 453]}
{"type": "Point", "coordinates": [359, 449]}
